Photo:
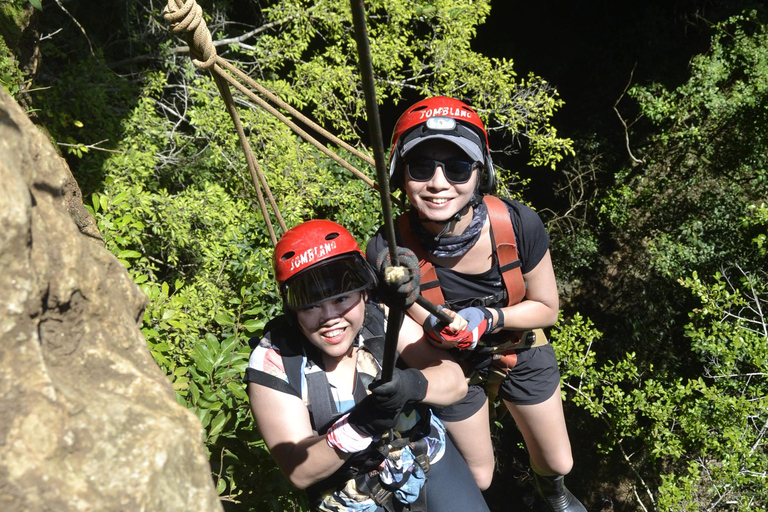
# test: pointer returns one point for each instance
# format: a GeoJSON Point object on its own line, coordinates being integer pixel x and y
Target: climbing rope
{"type": "Point", "coordinates": [396, 312]}
{"type": "Point", "coordinates": [186, 17]}
{"type": "Point", "coordinates": [395, 317]}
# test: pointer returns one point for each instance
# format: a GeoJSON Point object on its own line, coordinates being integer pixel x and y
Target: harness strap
{"type": "Point", "coordinates": [321, 402]}
{"type": "Point", "coordinates": [429, 286]}
{"type": "Point", "coordinates": [506, 249]}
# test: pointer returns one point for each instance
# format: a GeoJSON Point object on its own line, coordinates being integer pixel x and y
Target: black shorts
{"type": "Point", "coordinates": [473, 401]}
{"type": "Point", "coordinates": [533, 380]}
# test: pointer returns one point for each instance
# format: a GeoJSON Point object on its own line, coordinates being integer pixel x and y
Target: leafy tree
{"type": "Point", "coordinates": [677, 381]}
{"type": "Point", "coordinates": [689, 443]}
{"type": "Point", "coordinates": [699, 162]}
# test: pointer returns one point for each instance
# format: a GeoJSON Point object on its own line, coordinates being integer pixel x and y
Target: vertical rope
{"type": "Point", "coordinates": [396, 313]}
{"type": "Point", "coordinates": [187, 17]}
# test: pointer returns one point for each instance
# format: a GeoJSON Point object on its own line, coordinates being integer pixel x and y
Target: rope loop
{"type": "Point", "coordinates": [188, 18]}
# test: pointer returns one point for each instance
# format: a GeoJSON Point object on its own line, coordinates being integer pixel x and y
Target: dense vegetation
{"type": "Point", "coordinates": [660, 243]}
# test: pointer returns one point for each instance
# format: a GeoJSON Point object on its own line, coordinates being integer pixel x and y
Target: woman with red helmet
{"type": "Point", "coordinates": [355, 443]}
{"type": "Point", "coordinates": [487, 260]}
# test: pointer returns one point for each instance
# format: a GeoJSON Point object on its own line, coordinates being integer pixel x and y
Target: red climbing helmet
{"type": "Point", "coordinates": [319, 260]}
{"type": "Point", "coordinates": [440, 117]}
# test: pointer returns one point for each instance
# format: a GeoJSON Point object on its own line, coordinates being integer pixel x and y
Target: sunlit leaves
{"type": "Point", "coordinates": [704, 436]}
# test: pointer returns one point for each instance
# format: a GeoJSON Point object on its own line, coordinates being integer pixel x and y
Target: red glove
{"type": "Point", "coordinates": [478, 320]}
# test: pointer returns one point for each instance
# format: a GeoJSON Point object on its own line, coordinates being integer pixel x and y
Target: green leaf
{"type": "Point", "coordinates": [181, 383]}
{"type": "Point", "coordinates": [128, 254]}
{"type": "Point", "coordinates": [119, 198]}
{"type": "Point", "coordinates": [178, 324]}
{"type": "Point", "coordinates": [203, 358]}
{"type": "Point", "coordinates": [224, 319]}
{"type": "Point", "coordinates": [217, 424]}
{"type": "Point", "coordinates": [254, 325]}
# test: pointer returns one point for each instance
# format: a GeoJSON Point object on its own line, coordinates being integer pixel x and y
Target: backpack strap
{"type": "Point", "coordinates": [321, 402]}
{"type": "Point", "coordinates": [506, 249]}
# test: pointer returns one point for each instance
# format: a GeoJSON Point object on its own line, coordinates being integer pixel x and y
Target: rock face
{"type": "Point", "coordinates": [87, 420]}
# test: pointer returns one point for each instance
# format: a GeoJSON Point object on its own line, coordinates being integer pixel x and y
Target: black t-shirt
{"type": "Point", "coordinates": [459, 289]}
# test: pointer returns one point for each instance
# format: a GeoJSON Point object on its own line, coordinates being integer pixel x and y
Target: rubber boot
{"type": "Point", "coordinates": [557, 496]}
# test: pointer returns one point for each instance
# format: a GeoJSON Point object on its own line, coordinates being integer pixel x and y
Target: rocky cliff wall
{"type": "Point", "coordinates": [87, 420]}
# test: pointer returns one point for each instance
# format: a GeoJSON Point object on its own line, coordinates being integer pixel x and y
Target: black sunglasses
{"type": "Point", "coordinates": [456, 171]}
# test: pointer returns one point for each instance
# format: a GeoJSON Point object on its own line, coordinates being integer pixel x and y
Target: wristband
{"type": "Point", "coordinates": [499, 320]}
{"type": "Point", "coordinates": [343, 437]}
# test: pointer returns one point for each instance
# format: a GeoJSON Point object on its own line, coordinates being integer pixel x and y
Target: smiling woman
{"type": "Point", "coordinates": [488, 261]}
{"type": "Point", "coordinates": [356, 444]}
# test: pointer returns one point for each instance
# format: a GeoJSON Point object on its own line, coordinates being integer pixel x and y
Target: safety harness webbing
{"type": "Point", "coordinates": [505, 251]}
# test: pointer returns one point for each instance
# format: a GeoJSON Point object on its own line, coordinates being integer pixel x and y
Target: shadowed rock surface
{"type": "Point", "coordinates": [88, 422]}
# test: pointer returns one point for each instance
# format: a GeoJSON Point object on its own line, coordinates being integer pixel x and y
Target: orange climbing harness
{"type": "Point", "coordinates": [505, 251]}
{"type": "Point", "coordinates": [504, 355]}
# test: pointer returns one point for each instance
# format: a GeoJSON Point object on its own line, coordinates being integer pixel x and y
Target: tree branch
{"type": "Point", "coordinates": [626, 128]}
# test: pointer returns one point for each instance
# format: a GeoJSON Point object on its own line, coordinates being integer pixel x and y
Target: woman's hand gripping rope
{"type": "Point", "coordinates": [466, 329]}
{"type": "Point", "coordinates": [398, 285]}
{"type": "Point", "coordinates": [356, 430]}
{"type": "Point", "coordinates": [378, 412]}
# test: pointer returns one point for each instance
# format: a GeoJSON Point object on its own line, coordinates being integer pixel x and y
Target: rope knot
{"type": "Point", "coordinates": [186, 16]}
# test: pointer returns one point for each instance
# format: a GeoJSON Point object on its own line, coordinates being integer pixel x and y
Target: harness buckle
{"type": "Point", "coordinates": [496, 298]}
{"type": "Point", "coordinates": [381, 495]}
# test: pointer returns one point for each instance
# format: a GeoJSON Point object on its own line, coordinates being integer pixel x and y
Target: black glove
{"type": "Point", "coordinates": [406, 386]}
{"type": "Point", "coordinates": [368, 419]}
{"type": "Point", "coordinates": [403, 290]}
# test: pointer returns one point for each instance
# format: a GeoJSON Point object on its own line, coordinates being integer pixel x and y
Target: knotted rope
{"type": "Point", "coordinates": [186, 16]}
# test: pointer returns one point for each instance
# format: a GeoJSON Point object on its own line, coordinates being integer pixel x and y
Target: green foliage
{"type": "Point", "coordinates": [13, 18]}
{"type": "Point", "coordinates": [699, 168]}
{"type": "Point", "coordinates": [679, 381]}
{"type": "Point", "coordinates": [702, 439]}
{"type": "Point", "coordinates": [415, 47]}
{"type": "Point", "coordinates": [11, 76]}
{"type": "Point", "coordinates": [756, 221]}
{"type": "Point", "coordinates": [80, 123]}
{"type": "Point", "coordinates": [708, 155]}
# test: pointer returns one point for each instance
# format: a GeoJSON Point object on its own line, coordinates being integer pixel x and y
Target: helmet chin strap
{"type": "Point", "coordinates": [456, 217]}
{"type": "Point", "coordinates": [452, 220]}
